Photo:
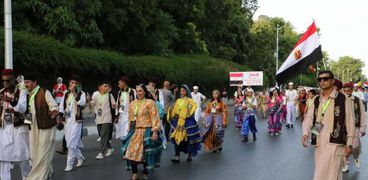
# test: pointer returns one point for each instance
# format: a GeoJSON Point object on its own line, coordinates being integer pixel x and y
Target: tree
{"type": "Point", "coordinates": [348, 68]}
{"type": "Point", "coordinates": [263, 38]}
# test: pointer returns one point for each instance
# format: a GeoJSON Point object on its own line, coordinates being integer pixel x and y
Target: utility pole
{"type": "Point", "coordinates": [8, 35]}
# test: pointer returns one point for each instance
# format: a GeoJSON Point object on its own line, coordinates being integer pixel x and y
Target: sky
{"type": "Point", "coordinates": [343, 24]}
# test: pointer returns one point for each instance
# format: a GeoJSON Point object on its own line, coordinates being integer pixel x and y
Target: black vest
{"type": "Point", "coordinates": [79, 115]}
{"type": "Point", "coordinates": [357, 111]}
{"type": "Point", "coordinates": [338, 136]}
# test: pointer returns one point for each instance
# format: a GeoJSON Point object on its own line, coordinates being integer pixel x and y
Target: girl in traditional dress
{"type": "Point", "coordinates": [249, 123]}
{"type": "Point", "coordinates": [238, 110]}
{"type": "Point", "coordinates": [275, 110]}
{"type": "Point", "coordinates": [302, 103]}
{"type": "Point", "coordinates": [143, 144]}
{"type": "Point", "coordinates": [215, 122]}
{"type": "Point", "coordinates": [185, 133]}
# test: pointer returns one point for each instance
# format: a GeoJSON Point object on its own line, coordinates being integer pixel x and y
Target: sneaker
{"type": "Point", "coordinates": [24, 178]}
{"type": "Point", "coordinates": [99, 139]}
{"type": "Point", "coordinates": [271, 133]}
{"type": "Point", "coordinates": [276, 134]}
{"type": "Point", "coordinates": [80, 161]}
{"type": "Point", "coordinates": [100, 156]}
{"type": "Point", "coordinates": [109, 152]}
{"type": "Point", "coordinates": [345, 169]}
{"type": "Point", "coordinates": [68, 168]}
{"type": "Point", "coordinates": [357, 163]}
{"type": "Point", "coordinates": [164, 146]}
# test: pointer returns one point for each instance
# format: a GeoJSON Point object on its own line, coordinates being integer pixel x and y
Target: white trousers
{"type": "Point", "coordinates": [5, 170]}
{"type": "Point", "coordinates": [73, 155]}
{"type": "Point", "coordinates": [290, 113]}
{"type": "Point", "coordinates": [197, 114]}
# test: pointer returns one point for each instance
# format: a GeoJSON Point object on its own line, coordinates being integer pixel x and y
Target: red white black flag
{"type": "Point", "coordinates": [306, 52]}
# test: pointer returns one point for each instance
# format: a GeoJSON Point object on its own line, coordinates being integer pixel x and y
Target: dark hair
{"type": "Point", "coordinates": [271, 92]}
{"type": "Point", "coordinates": [125, 79]}
{"type": "Point", "coordinates": [187, 90]}
{"type": "Point", "coordinates": [74, 77]}
{"type": "Point", "coordinates": [313, 91]}
{"type": "Point", "coordinates": [147, 94]}
{"type": "Point", "coordinates": [30, 77]}
{"type": "Point", "coordinates": [327, 72]}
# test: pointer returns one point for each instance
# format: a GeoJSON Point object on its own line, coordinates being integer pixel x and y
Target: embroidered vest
{"type": "Point", "coordinates": [357, 111]}
{"type": "Point", "coordinates": [338, 136]}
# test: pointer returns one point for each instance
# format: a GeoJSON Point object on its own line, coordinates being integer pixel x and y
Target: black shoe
{"type": "Point", "coordinates": [288, 126]}
{"type": "Point", "coordinates": [214, 151]}
{"type": "Point", "coordinates": [189, 159]}
{"type": "Point", "coordinates": [292, 126]}
{"type": "Point", "coordinates": [62, 151]}
{"type": "Point", "coordinates": [254, 137]}
{"type": "Point", "coordinates": [245, 139]}
{"type": "Point", "coordinates": [220, 149]}
{"type": "Point", "coordinates": [176, 161]}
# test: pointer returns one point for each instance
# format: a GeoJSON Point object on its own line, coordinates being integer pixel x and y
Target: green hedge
{"type": "Point", "coordinates": [49, 58]}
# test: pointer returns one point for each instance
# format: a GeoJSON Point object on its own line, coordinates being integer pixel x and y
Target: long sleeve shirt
{"type": "Point", "coordinates": [145, 114]}
{"type": "Point", "coordinates": [328, 121]}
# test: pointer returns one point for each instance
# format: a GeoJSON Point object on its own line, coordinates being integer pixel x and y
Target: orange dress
{"type": "Point", "coordinates": [144, 114]}
{"type": "Point", "coordinates": [215, 122]}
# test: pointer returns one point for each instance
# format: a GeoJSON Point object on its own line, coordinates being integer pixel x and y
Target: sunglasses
{"type": "Point", "coordinates": [323, 78]}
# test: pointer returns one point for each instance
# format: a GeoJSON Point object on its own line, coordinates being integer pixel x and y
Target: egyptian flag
{"type": "Point", "coordinates": [236, 78]}
{"type": "Point", "coordinates": [306, 52]}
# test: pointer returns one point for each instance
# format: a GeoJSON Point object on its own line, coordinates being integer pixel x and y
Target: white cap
{"type": "Point", "coordinates": [291, 84]}
{"type": "Point", "coordinates": [195, 87]}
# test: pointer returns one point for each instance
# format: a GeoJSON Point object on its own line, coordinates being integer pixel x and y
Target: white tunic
{"type": "Point", "coordinates": [122, 125]}
{"type": "Point", "coordinates": [291, 95]}
{"type": "Point", "coordinates": [14, 141]}
{"type": "Point", "coordinates": [198, 98]}
{"type": "Point", "coordinates": [73, 128]}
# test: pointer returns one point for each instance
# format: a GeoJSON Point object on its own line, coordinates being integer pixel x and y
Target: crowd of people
{"type": "Point", "coordinates": [147, 118]}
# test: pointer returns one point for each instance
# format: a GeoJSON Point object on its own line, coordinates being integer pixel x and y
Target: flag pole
{"type": "Point", "coordinates": [8, 35]}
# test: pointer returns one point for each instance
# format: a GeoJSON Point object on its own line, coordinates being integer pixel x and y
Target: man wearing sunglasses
{"type": "Point", "coordinates": [360, 125]}
{"type": "Point", "coordinates": [14, 134]}
{"type": "Point", "coordinates": [331, 125]}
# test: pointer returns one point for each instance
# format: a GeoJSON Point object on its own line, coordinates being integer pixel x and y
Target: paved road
{"type": "Point", "coordinates": [269, 158]}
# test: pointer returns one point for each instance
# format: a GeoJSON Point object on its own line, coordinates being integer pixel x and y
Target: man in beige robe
{"type": "Point", "coordinates": [329, 156]}
{"type": "Point", "coordinates": [41, 115]}
{"type": "Point", "coordinates": [360, 125]}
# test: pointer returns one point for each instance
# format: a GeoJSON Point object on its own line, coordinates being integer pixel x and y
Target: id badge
{"type": "Point", "coordinates": [213, 110]}
{"type": "Point", "coordinates": [122, 107]}
{"type": "Point", "coordinates": [99, 112]}
{"type": "Point", "coordinates": [67, 114]}
{"type": "Point", "coordinates": [8, 118]}
{"type": "Point", "coordinates": [317, 128]}
{"type": "Point", "coordinates": [28, 118]}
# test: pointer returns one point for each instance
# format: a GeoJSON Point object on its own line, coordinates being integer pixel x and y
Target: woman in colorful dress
{"type": "Point", "coordinates": [238, 110]}
{"type": "Point", "coordinates": [284, 112]}
{"type": "Point", "coordinates": [263, 104]}
{"type": "Point", "coordinates": [249, 122]}
{"type": "Point", "coordinates": [302, 103]}
{"type": "Point", "coordinates": [311, 94]}
{"type": "Point", "coordinates": [185, 133]}
{"type": "Point", "coordinates": [215, 123]}
{"type": "Point", "coordinates": [161, 113]}
{"type": "Point", "coordinates": [143, 144]}
{"type": "Point", "coordinates": [275, 111]}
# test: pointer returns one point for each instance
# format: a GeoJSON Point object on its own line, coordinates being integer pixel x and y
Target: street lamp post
{"type": "Point", "coordinates": [277, 46]}
{"type": "Point", "coordinates": [8, 35]}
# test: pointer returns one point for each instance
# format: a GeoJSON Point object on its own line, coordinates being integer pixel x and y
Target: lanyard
{"type": "Point", "coordinates": [123, 97]}
{"type": "Point", "coordinates": [33, 95]}
{"type": "Point", "coordinates": [137, 106]}
{"type": "Point", "coordinates": [324, 108]}
{"type": "Point", "coordinates": [101, 98]}
{"type": "Point", "coordinates": [70, 98]}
